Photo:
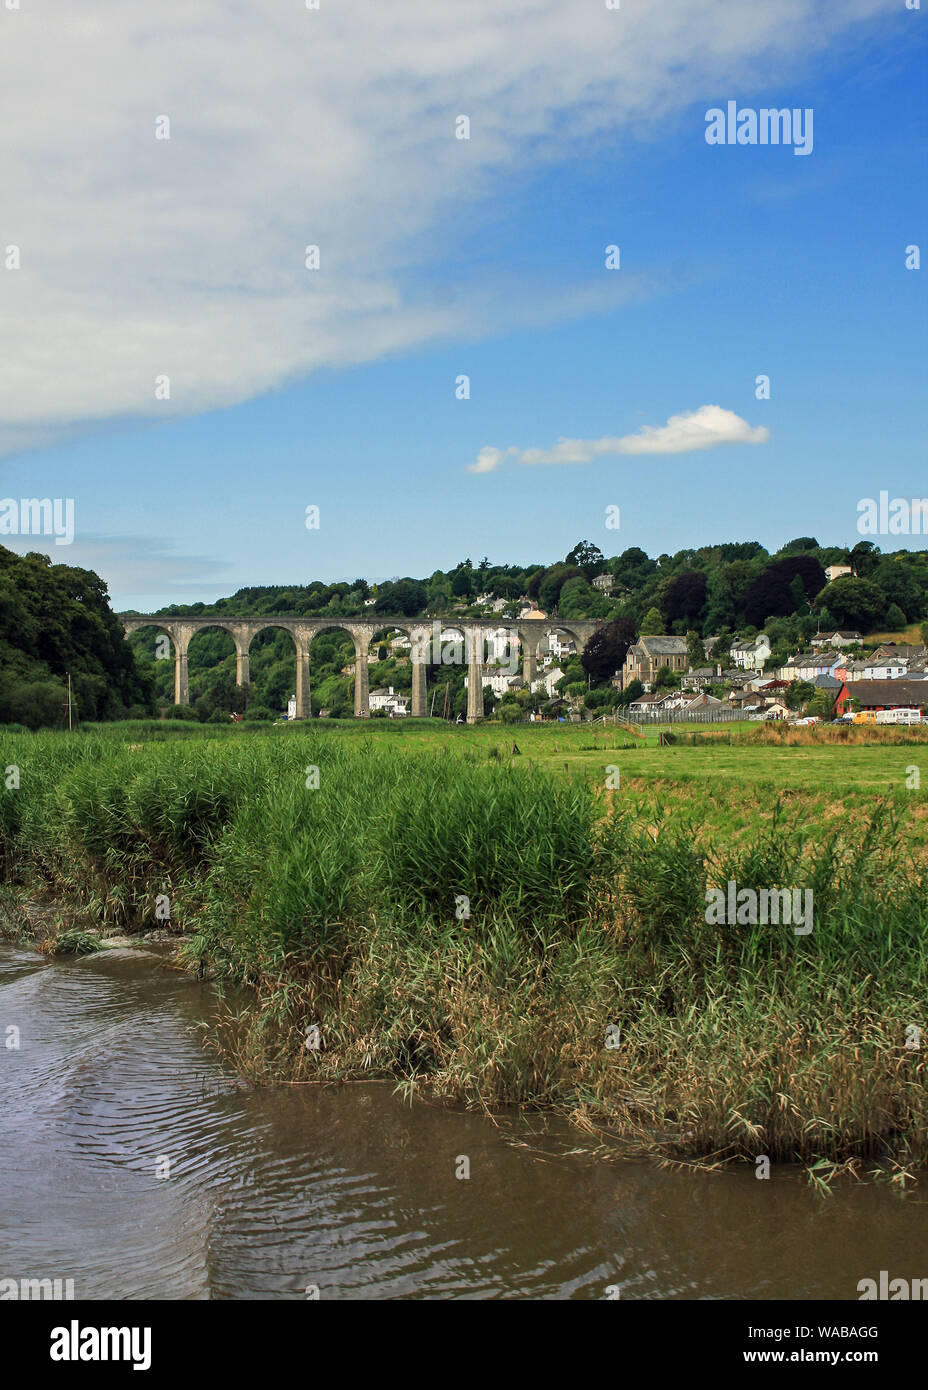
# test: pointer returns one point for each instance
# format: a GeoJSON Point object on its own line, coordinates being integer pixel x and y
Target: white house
{"type": "Point", "coordinates": [561, 646]}
{"type": "Point", "coordinates": [548, 681]}
{"type": "Point", "coordinates": [387, 699]}
{"type": "Point", "coordinates": [807, 665]}
{"type": "Point", "coordinates": [835, 571]}
{"type": "Point", "coordinates": [751, 654]}
{"type": "Point", "coordinates": [835, 639]}
{"type": "Point", "coordinates": [499, 681]}
{"type": "Point", "coordinates": [873, 669]}
{"type": "Point", "coordinates": [604, 583]}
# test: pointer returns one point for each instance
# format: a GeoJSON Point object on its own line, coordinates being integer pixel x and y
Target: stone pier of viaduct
{"type": "Point", "coordinates": [527, 633]}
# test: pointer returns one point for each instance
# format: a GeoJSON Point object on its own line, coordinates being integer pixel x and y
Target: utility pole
{"type": "Point", "coordinates": [69, 702]}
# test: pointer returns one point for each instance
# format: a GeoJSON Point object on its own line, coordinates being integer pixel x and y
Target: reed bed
{"type": "Point", "coordinates": [500, 935]}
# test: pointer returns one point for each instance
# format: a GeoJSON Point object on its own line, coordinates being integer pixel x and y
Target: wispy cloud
{"type": "Point", "coordinates": [689, 432]}
{"type": "Point", "coordinates": [293, 127]}
{"type": "Point", "coordinates": [140, 571]}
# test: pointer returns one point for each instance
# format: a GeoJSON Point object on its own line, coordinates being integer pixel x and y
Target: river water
{"type": "Point", "coordinates": [134, 1163]}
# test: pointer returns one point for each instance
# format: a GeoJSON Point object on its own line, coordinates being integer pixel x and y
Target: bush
{"type": "Point", "coordinates": [180, 712]}
{"type": "Point", "coordinates": [258, 714]}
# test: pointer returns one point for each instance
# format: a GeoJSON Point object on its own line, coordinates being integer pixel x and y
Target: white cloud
{"type": "Point", "coordinates": [686, 433]}
{"type": "Point", "coordinates": [290, 127]}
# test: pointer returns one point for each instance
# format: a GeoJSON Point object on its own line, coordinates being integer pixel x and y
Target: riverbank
{"type": "Point", "coordinates": [494, 933]}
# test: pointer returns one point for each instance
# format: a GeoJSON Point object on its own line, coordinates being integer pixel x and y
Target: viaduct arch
{"type": "Point", "coordinates": [421, 633]}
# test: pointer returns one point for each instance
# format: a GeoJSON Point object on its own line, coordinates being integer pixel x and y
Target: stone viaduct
{"type": "Point", "coordinates": [525, 633]}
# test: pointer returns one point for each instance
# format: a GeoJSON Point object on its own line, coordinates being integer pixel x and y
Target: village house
{"type": "Point", "coordinates": [699, 678]}
{"type": "Point", "coordinates": [646, 657]}
{"type": "Point", "coordinates": [889, 694]}
{"type": "Point", "coordinates": [386, 698]}
{"type": "Point", "coordinates": [500, 682]}
{"type": "Point", "coordinates": [751, 654]}
{"type": "Point", "coordinates": [898, 651]}
{"type": "Point", "coordinates": [560, 645]}
{"type": "Point", "coordinates": [835, 639]}
{"type": "Point", "coordinates": [870, 668]}
{"type": "Point", "coordinates": [548, 681]}
{"type": "Point", "coordinates": [604, 583]}
{"type": "Point", "coordinates": [836, 571]}
{"type": "Point", "coordinates": [807, 665]}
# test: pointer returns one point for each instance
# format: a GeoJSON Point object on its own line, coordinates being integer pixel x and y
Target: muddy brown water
{"type": "Point", "coordinates": [352, 1190]}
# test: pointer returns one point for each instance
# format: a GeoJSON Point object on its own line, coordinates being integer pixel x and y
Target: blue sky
{"type": "Point", "coordinates": [736, 261]}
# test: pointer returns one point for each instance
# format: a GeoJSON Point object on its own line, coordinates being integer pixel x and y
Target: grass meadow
{"type": "Point", "coordinates": [496, 917]}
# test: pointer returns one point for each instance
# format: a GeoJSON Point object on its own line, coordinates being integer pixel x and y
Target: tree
{"type": "Point", "coordinates": [258, 714]}
{"type": "Point", "coordinates": [633, 691]}
{"type": "Point", "coordinates": [798, 546]}
{"type": "Point", "coordinates": [798, 592]}
{"type": "Point", "coordinates": [633, 568]}
{"type": "Point", "coordinates": [578, 600]}
{"type": "Point", "coordinates": [799, 693]}
{"type": "Point", "coordinates": [895, 618]}
{"type": "Point", "coordinates": [770, 594]}
{"type": "Point", "coordinates": [855, 602]}
{"type": "Point", "coordinates": [821, 704]}
{"type": "Point", "coordinates": [406, 596]}
{"type": "Point", "coordinates": [863, 559]}
{"type": "Point", "coordinates": [587, 557]}
{"type": "Point", "coordinates": [695, 654]}
{"type": "Point", "coordinates": [652, 624]}
{"type": "Point", "coordinates": [605, 652]}
{"type": "Point", "coordinates": [462, 585]}
{"type": "Point", "coordinates": [684, 596]}
{"type": "Point", "coordinates": [721, 649]}
{"type": "Point", "coordinates": [549, 591]}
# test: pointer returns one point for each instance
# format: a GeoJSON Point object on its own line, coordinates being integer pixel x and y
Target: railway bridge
{"type": "Point", "coordinates": [525, 636]}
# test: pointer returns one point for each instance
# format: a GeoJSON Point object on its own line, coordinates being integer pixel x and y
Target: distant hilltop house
{"type": "Point", "coordinates": [836, 571]}
{"type": "Point", "coordinates": [604, 582]}
{"type": "Point", "coordinates": [646, 657]}
{"type": "Point", "coordinates": [751, 654]}
{"type": "Point", "coordinates": [835, 639]}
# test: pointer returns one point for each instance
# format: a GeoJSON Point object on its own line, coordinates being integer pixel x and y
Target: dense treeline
{"type": "Point", "coordinates": [735, 586]}
{"type": "Point", "coordinates": [723, 591]}
{"type": "Point", "coordinates": [55, 621]}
